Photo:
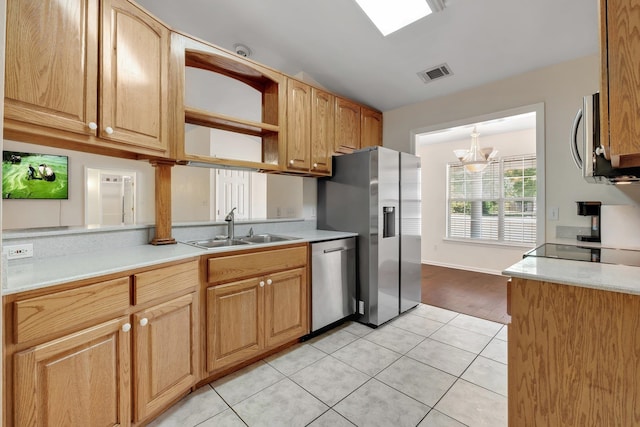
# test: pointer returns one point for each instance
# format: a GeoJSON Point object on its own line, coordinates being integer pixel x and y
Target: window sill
{"type": "Point", "coordinates": [490, 243]}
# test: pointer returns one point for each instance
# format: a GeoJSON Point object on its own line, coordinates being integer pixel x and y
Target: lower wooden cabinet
{"type": "Point", "coordinates": [78, 380]}
{"type": "Point", "coordinates": [235, 315]}
{"type": "Point", "coordinates": [286, 314]}
{"type": "Point", "coordinates": [247, 317]}
{"type": "Point", "coordinates": [165, 353]}
{"type": "Point", "coordinates": [88, 371]}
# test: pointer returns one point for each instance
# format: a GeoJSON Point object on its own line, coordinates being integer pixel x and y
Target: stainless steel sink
{"type": "Point", "coordinates": [266, 238]}
{"type": "Point", "coordinates": [214, 243]}
{"type": "Point", "coordinates": [247, 240]}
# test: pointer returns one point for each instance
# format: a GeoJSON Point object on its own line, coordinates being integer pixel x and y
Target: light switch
{"type": "Point", "coordinates": [553, 214]}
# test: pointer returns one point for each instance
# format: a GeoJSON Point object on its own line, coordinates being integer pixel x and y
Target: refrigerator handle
{"type": "Point", "coordinates": [389, 221]}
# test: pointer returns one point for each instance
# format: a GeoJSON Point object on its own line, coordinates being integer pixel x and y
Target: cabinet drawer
{"type": "Point", "coordinates": [165, 281]}
{"type": "Point", "coordinates": [64, 311]}
{"type": "Point", "coordinates": [223, 269]}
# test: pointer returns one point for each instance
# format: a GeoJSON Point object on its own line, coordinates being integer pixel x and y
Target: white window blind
{"type": "Point", "coordinates": [498, 204]}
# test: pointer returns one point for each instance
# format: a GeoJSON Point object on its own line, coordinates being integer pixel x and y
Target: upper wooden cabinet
{"type": "Point", "coordinates": [370, 128]}
{"type": "Point", "coordinates": [298, 126]}
{"type": "Point", "coordinates": [310, 124]}
{"type": "Point", "coordinates": [322, 130]}
{"type": "Point", "coordinates": [347, 126]}
{"type": "Point", "coordinates": [103, 91]}
{"type": "Point", "coordinates": [620, 84]}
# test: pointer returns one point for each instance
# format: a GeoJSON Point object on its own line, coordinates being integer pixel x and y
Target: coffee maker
{"type": "Point", "coordinates": [591, 209]}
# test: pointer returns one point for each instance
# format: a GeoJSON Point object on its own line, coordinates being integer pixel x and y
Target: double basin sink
{"type": "Point", "coordinates": [239, 241]}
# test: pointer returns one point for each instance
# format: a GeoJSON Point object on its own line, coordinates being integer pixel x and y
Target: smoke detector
{"type": "Point", "coordinates": [435, 73]}
{"type": "Point", "coordinates": [242, 50]}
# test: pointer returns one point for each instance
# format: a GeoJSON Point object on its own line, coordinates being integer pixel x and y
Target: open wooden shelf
{"type": "Point", "coordinates": [207, 161]}
{"type": "Point", "coordinates": [199, 117]}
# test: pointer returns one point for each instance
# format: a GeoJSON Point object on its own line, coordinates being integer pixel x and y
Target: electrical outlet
{"type": "Point", "coordinates": [18, 251]}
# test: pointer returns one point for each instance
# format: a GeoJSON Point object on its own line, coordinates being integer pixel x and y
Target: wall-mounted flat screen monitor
{"type": "Point", "coordinates": [34, 176]}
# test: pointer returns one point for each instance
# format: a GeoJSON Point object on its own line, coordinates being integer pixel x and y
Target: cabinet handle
{"type": "Point", "coordinates": [262, 283]}
{"type": "Point", "coordinates": [269, 281]}
{"type": "Point", "coordinates": [144, 321]}
{"type": "Point", "coordinates": [108, 130]}
{"type": "Point", "coordinates": [126, 327]}
{"type": "Point", "coordinates": [93, 125]}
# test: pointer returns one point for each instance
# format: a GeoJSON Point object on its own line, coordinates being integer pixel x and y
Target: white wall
{"type": "Point", "coordinates": [561, 88]}
{"type": "Point", "coordinates": [284, 196]}
{"type": "Point", "coordinates": [71, 212]}
{"type": "Point", "coordinates": [435, 249]}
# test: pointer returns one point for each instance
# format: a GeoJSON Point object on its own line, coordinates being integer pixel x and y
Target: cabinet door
{"type": "Point", "coordinates": [133, 91]}
{"type": "Point", "coordinates": [298, 125]}
{"type": "Point", "coordinates": [51, 74]}
{"type": "Point", "coordinates": [81, 379]}
{"type": "Point", "coordinates": [165, 353]}
{"type": "Point", "coordinates": [371, 128]}
{"type": "Point", "coordinates": [286, 314]}
{"type": "Point", "coordinates": [621, 81]}
{"type": "Point", "coordinates": [234, 322]}
{"type": "Point", "coordinates": [322, 130]}
{"type": "Point", "coordinates": [347, 126]}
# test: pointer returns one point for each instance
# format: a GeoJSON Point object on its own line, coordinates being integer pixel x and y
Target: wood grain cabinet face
{"type": "Point", "coordinates": [286, 314]}
{"type": "Point", "coordinates": [165, 353]}
{"type": "Point", "coordinates": [51, 74]}
{"type": "Point", "coordinates": [322, 130]}
{"type": "Point", "coordinates": [235, 317]}
{"type": "Point", "coordinates": [81, 69]}
{"type": "Point", "coordinates": [298, 125]}
{"type": "Point", "coordinates": [347, 126]}
{"type": "Point", "coordinates": [78, 380]}
{"type": "Point", "coordinates": [371, 128]}
{"type": "Point", "coordinates": [134, 80]}
{"type": "Point", "coordinates": [620, 84]}
{"type": "Point", "coordinates": [247, 316]}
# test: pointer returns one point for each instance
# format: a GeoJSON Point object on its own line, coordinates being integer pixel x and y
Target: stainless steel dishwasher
{"type": "Point", "coordinates": [333, 281]}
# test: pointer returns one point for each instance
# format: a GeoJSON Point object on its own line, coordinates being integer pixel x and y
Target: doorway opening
{"type": "Point", "coordinates": [110, 197]}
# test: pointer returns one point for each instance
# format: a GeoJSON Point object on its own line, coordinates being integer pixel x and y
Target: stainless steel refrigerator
{"type": "Point", "coordinates": [375, 192]}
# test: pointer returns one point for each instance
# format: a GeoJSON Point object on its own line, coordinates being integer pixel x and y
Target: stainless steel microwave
{"type": "Point", "coordinates": [594, 166]}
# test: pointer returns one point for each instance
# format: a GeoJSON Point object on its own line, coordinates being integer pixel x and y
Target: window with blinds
{"type": "Point", "coordinates": [497, 205]}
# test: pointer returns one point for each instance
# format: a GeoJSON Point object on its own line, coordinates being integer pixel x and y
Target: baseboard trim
{"type": "Point", "coordinates": [464, 267]}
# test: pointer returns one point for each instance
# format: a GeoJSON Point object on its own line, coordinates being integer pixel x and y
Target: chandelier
{"type": "Point", "coordinates": [475, 159]}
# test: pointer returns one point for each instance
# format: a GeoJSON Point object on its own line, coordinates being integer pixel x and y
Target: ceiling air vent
{"type": "Point", "coordinates": [435, 73]}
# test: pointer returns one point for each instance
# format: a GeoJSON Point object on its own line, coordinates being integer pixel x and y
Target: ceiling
{"type": "Point", "coordinates": [335, 43]}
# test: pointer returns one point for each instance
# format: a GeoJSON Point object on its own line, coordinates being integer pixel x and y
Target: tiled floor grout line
{"type": "Point", "coordinates": [370, 377]}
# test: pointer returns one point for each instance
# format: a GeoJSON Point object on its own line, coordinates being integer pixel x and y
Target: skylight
{"type": "Point", "coordinates": [390, 16]}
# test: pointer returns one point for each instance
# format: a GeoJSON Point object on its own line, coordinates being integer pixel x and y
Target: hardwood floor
{"type": "Point", "coordinates": [476, 294]}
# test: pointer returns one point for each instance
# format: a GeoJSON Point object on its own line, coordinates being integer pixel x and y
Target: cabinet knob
{"type": "Point", "coordinates": [291, 161]}
{"type": "Point", "coordinates": [126, 327]}
{"type": "Point", "coordinates": [93, 125]}
{"type": "Point", "coordinates": [144, 321]}
{"type": "Point", "coordinates": [108, 130]}
{"type": "Point", "coordinates": [262, 283]}
{"type": "Point", "coordinates": [315, 165]}
{"type": "Point", "coordinates": [269, 281]}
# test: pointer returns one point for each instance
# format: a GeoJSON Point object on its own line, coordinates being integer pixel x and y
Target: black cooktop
{"type": "Point", "coordinates": [585, 253]}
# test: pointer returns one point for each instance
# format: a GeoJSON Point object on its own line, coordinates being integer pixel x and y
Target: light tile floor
{"type": "Point", "coordinates": [429, 368]}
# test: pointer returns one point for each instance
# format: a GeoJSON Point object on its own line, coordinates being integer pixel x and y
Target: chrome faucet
{"type": "Point", "coordinates": [230, 218]}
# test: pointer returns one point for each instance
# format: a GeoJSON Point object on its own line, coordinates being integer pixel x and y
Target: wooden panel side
{"type": "Point", "coordinates": [574, 356]}
{"type": "Point", "coordinates": [67, 310]}
{"type": "Point", "coordinates": [623, 77]}
{"type": "Point", "coordinates": [224, 269]}
{"type": "Point", "coordinates": [165, 281]}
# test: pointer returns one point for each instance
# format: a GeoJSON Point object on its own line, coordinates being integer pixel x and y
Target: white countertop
{"type": "Point", "coordinates": [595, 275]}
{"type": "Point", "coordinates": [23, 275]}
